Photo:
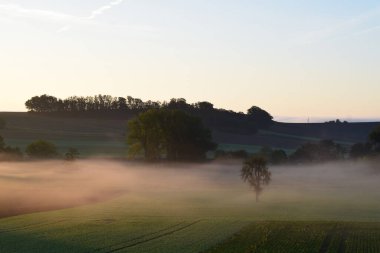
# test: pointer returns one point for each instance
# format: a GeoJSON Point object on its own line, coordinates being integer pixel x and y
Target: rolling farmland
{"type": "Point", "coordinates": [188, 208]}
{"type": "Point", "coordinates": [107, 137]}
{"type": "Point", "coordinates": [104, 206]}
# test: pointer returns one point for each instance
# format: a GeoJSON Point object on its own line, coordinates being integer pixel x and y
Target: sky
{"type": "Point", "coordinates": [295, 59]}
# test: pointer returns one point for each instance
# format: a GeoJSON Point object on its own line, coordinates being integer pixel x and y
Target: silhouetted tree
{"type": "Point", "coordinates": [173, 134]}
{"type": "Point", "coordinates": [204, 106]}
{"type": "Point", "coordinates": [72, 154]}
{"type": "Point", "coordinates": [256, 173]}
{"type": "Point", "coordinates": [145, 134]}
{"type": "Point", "coordinates": [44, 103]}
{"type": "Point", "coordinates": [41, 149]}
{"type": "Point", "coordinates": [261, 117]}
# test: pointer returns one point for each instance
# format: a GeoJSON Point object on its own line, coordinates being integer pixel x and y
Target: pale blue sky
{"type": "Point", "coordinates": [292, 58]}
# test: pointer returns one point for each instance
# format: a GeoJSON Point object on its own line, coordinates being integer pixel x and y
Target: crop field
{"type": "Point", "coordinates": [103, 231]}
{"type": "Point", "coordinates": [104, 206]}
{"type": "Point", "coordinates": [289, 237]}
{"type": "Point", "coordinates": [59, 232]}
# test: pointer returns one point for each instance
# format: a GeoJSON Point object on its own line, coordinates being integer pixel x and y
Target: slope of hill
{"type": "Point", "coordinates": [289, 136]}
{"type": "Point", "coordinates": [106, 137]}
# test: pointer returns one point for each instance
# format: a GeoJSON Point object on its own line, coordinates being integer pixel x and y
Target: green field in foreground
{"type": "Point", "coordinates": [189, 208]}
{"type": "Point", "coordinates": [308, 237]}
{"type": "Point", "coordinates": [102, 231]}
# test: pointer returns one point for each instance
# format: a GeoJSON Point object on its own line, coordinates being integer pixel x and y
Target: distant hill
{"type": "Point", "coordinates": [106, 136]}
{"type": "Point", "coordinates": [289, 136]}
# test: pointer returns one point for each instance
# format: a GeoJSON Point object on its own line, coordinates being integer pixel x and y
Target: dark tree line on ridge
{"type": "Point", "coordinates": [109, 106]}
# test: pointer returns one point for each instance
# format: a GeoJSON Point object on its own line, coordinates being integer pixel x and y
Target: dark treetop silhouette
{"type": "Point", "coordinates": [109, 106]}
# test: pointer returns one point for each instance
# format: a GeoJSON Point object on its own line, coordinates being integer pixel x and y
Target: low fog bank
{"type": "Point", "coordinates": [37, 186]}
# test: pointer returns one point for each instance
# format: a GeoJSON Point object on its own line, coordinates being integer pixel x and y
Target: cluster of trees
{"type": "Point", "coordinates": [36, 150]}
{"type": "Point", "coordinates": [337, 121]}
{"type": "Point", "coordinates": [322, 151]}
{"type": "Point", "coordinates": [371, 148]}
{"type": "Point", "coordinates": [98, 103]}
{"type": "Point", "coordinates": [168, 134]}
{"type": "Point", "coordinates": [220, 119]}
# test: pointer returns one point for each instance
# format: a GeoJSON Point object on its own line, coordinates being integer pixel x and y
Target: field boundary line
{"type": "Point", "coordinates": [141, 236]}
{"type": "Point", "coordinates": [155, 237]}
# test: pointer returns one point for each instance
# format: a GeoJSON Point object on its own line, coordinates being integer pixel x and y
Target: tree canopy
{"type": "Point", "coordinates": [122, 107]}
{"type": "Point", "coordinates": [41, 149]}
{"type": "Point", "coordinates": [260, 116]}
{"type": "Point", "coordinates": [170, 134]}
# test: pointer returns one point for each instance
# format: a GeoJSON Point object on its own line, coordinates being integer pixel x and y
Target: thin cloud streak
{"type": "Point", "coordinates": [104, 8]}
{"type": "Point", "coordinates": [17, 11]}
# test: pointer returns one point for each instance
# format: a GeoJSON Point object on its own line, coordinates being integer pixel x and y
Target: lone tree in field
{"type": "Point", "coordinates": [41, 150]}
{"type": "Point", "coordinates": [72, 154]}
{"type": "Point", "coordinates": [256, 173]}
{"type": "Point", "coordinates": [172, 134]}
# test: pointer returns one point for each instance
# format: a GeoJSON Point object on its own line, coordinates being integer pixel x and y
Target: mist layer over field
{"type": "Point", "coordinates": [336, 191]}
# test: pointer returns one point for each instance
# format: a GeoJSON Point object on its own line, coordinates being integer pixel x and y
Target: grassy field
{"type": "Point", "coordinates": [189, 208]}
{"type": "Point", "coordinates": [308, 237]}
